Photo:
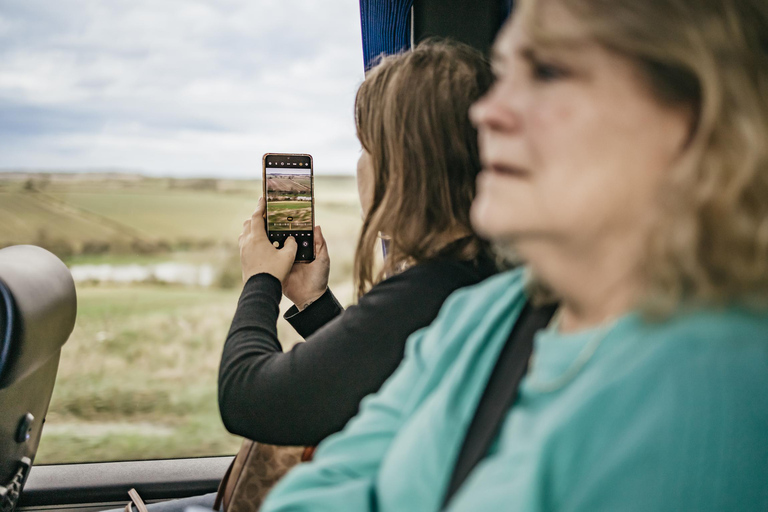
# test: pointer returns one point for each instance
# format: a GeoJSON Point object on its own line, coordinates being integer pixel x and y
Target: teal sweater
{"type": "Point", "coordinates": [663, 417]}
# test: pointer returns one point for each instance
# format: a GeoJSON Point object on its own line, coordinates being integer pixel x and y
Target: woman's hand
{"type": "Point", "coordinates": [258, 255]}
{"type": "Point", "coordinates": [307, 282]}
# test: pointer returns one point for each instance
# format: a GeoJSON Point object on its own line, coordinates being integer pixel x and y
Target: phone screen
{"type": "Point", "coordinates": [289, 193]}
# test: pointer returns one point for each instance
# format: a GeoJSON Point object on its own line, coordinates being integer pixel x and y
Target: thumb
{"type": "Point", "coordinates": [290, 247]}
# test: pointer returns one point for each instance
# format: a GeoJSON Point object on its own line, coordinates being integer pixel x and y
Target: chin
{"type": "Point", "coordinates": [490, 223]}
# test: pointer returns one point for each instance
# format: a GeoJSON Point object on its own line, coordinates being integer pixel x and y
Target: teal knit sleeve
{"type": "Point", "coordinates": [342, 474]}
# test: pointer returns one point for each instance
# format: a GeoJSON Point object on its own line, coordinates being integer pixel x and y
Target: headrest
{"type": "Point", "coordinates": [38, 306]}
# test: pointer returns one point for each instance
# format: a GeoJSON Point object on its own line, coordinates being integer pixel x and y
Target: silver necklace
{"type": "Point", "coordinates": [581, 360]}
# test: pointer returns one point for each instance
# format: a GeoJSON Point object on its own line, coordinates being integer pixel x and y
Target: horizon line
{"type": "Point", "coordinates": [117, 171]}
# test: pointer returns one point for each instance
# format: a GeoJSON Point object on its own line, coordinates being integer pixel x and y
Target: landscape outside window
{"type": "Point", "coordinates": [131, 136]}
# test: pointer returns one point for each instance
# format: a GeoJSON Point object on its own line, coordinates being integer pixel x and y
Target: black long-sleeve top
{"type": "Point", "coordinates": [301, 396]}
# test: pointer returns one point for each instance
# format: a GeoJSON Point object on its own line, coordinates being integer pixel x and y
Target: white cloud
{"type": "Point", "coordinates": [179, 86]}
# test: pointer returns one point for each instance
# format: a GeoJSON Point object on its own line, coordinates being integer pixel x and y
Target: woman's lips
{"type": "Point", "coordinates": [507, 170]}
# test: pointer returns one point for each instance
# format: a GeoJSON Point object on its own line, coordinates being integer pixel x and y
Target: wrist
{"type": "Point", "coordinates": [262, 277]}
{"type": "Point", "coordinates": [247, 274]}
{"type": "Point", "coordinates": [304, 302]}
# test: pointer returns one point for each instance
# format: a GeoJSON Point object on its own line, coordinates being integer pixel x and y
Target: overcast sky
{"type": "Point", "coordinates": [178, 87]}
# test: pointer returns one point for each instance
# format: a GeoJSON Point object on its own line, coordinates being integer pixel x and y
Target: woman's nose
{"type": "Point", "coordinates": [495, 111]}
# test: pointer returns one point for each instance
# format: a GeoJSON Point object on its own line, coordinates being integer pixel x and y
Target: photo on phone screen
{"type": "Point", "coordinates": [289, 193]}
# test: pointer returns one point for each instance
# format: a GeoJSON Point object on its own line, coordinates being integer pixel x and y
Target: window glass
{"type": "Point", "coordinates": [131, 136]}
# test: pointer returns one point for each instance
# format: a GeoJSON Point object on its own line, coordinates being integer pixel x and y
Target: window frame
{"type": "Point", "coordinates": [104, 485]}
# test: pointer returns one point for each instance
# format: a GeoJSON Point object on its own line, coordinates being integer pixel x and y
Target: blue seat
{"type": "Point", "coordinates": [38, 306]}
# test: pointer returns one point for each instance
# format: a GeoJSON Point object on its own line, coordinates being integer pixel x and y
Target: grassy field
{"type": "Point", "coordinates": [138, 376]}
{"type": "Point", "coordinates": [295, 184]}
{"type": "Point", "coordinates": [289, 215]}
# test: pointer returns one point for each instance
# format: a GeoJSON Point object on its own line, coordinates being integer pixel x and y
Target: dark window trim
{"type": "Point", "coordinates": [102, 482]}
{"type": "Point", "coordinates": [474, 22]}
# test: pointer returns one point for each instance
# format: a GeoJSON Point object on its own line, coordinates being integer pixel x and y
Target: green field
{"type": "Point", "coordinates": [138, 376]}
{"type": "Point", "coordinates": [289, 215]}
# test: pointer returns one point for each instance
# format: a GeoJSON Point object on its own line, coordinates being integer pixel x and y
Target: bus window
{"type": "Point", "coordinates": [132, 135]}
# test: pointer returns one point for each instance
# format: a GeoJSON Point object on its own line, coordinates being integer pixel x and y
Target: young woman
{"type": "Point", "coordinates": [416, 179]}
{"type": "Point", "coordinates": [625, 160]}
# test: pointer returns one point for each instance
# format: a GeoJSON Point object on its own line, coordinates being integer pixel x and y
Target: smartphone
{"type": "Point", "coordinates": [289, 190]}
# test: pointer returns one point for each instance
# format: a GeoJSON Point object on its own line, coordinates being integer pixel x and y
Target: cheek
{"type": "Point", "coordinates": [553, 113]}
{"type": "Point", "coordinates": [365, 200]}
{"type": "Point", "coordinates": [562, 147]}
{"type": "Point", "coordinates": [557, 134]}
{"type": "Point", "coordinates": [593, 168]}
{"type": "Point", "coordinates": [596, 158]}
{"type": "Point", "coordinates": [364, 183]}
{"type": "Point", "coordinates": [361, 194]}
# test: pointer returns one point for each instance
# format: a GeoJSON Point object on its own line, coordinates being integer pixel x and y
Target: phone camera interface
{"type": "Point", "coordinates": [288, 187]}
{"type": "Point", "coordinates": [289, 198]}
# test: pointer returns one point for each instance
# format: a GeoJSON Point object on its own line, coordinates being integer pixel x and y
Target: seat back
{"type": "Point", "coordinates": [38, 306]}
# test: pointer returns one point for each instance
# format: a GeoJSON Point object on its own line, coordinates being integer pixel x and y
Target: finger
{"type": "Point", "coordinates": [319, 240]}
{"type": "Point", "coordinates": [319, 234]}
{"type": "Point", "coordinates": [322, 254]}
{"type": "Point", "coordinates": [257, 221]}
{"type": "Point", "coordinates": [260, 206]}
{"type": "Point", "coordinates": [321, 251]}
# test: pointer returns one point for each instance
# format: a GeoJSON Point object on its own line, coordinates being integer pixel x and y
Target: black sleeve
{"type": "Point", "coordinates": [301, 396]}
{"type": "Point", "coordinates": [314, 316]}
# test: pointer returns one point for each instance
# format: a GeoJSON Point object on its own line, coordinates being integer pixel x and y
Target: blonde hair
{"type": "Point", "coordinates": [412, 117]}
{"type": "Point", "coordinates": [710, 238]}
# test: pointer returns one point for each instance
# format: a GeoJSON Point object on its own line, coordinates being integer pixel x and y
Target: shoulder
{"type": "Point", "coordinates": [478, 300]}
{"type": "Point", "coordinates": [426, 285]}
{"type": "Point", "coordinates": [680, 402]}
{"type": "Point", "coordinates": [702, 368]}
{"type": "Point", "coordinates": [409, 300]}
{"type": "Point", "coordinates": [729, 339]}
{"type": "Point", "coordinates": [724, 349]}
{"type": "Point", "coordinates": [696, 376]}
{"type": "Point", "coordinates": [691, 354]}
{"type": "Point", "coordinates": [471, 315]}
{"type": "Point", "coordinates": [445, 272]}
{"type": "Point", "coordinates": [720, 327]}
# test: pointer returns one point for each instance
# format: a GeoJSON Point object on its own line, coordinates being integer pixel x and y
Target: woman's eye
{"type": "Point", "coordinates": [544, 72]}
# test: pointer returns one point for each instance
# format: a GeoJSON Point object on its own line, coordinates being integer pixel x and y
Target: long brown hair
{"type": "Point", "coordinates": [411, 114]}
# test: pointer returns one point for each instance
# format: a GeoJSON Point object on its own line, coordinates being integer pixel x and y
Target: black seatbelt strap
{"type": "Point", "coordinates": [500, 393]}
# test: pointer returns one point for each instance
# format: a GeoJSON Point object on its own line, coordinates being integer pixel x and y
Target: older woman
{"type": "Point", "coordinates": [625, 154]}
